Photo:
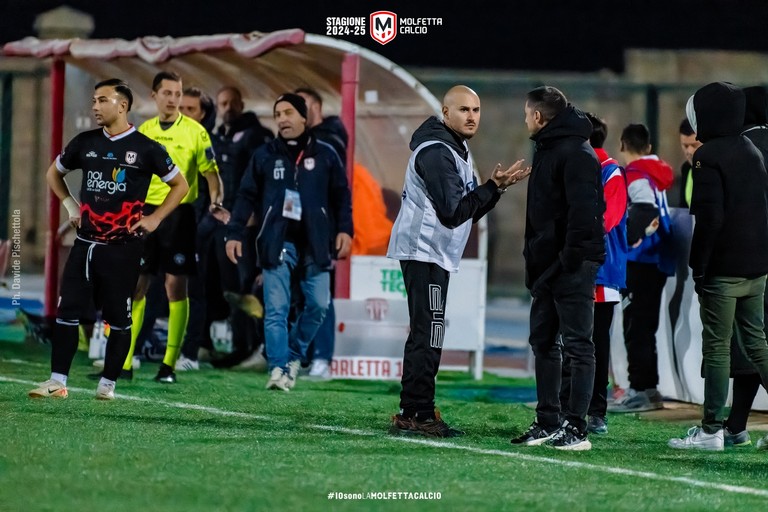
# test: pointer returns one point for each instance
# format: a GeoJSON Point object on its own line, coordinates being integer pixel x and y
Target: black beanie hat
{"type": "Point", "coordinates": [294, 99]}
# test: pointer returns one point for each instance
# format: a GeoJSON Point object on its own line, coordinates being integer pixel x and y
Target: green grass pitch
{"type": "Point", "coordinates": [218, 441]}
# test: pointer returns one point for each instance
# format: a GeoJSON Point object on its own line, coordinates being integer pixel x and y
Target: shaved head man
{"type": "Point", "coordinates": [440, 199]}
{"type": "Point", "coordinates": [461, 111]}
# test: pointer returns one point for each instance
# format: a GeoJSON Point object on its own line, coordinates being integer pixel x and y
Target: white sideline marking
{"type": "Point", "coordinates": [442, 444]}
{"type": "Point", "coordinates": [177, 405]}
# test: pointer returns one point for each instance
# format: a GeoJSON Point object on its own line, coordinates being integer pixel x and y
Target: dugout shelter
{"type": "Point", "coordinates": [380, 104]}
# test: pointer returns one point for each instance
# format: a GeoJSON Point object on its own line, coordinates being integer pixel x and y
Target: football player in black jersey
{"type": "Point", "coordinates": [117, 163]}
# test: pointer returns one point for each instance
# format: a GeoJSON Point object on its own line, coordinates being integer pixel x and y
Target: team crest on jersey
{"type": "Point", "coordinates": [130, 157]}
{"type": "Point", "coordinates": [309, 163]}
{"type": "Point", "coordinates": [238, 136]}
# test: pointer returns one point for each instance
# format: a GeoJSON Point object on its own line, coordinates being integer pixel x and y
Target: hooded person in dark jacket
{"type": "Point", "coordinates": [729, 250]}
{"type": "Point", "coordinates": [746, 380]}
{"type": "Point", "coordinates": [564, 247]}
{"type": "Point", "coordinates": [440, 199]}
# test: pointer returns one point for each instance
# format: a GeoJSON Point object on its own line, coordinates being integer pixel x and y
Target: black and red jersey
{"type": "Point", "coordinates": [117, 170]}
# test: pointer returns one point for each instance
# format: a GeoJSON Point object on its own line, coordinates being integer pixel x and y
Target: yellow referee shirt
{"type": "Point", "coordinates": [190, 148]}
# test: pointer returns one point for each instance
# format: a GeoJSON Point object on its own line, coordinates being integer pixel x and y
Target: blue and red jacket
{"type": "Point", "coordinates": [613, 272]}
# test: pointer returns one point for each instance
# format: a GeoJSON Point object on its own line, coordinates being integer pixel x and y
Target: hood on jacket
{"type": "Point", "coordinates": [719, 109]}
{"type": "Point", "coordinates": [568, 123]}
{"type": "Point", "coordinates": [756, 105]}
{"type": "Point", "coordinates": [653, 167]}
{"type": "Point", "coordinates": [334, 126]}
{"type": "Point", "coordinates": [435, 129]}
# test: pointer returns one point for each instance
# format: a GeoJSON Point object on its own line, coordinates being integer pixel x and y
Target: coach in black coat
{"type": "Point", "coordinates": [564, 246]}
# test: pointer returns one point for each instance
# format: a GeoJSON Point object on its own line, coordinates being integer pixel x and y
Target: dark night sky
{"type": "Point", "coordinates": [512, 34]}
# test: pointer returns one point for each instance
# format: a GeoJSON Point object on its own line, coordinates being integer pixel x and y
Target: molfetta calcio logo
{"type": "Point", "coordinates": [382, 26]}
{"type": "Point", "coordinates": [96, 182]}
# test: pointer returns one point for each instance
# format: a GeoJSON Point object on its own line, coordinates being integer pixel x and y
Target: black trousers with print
{"type": "Point", "coordinates": [427, 286]}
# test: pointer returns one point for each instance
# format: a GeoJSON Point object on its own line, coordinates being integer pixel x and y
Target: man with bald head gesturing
{"type": "Point", "coordinates": [440, 197]}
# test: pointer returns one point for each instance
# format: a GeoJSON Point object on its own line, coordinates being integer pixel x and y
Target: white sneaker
{"type": "Point", "coordinates": [49, 389]}
{"type": "Point", "coordinates": [320, 370]}
{"type": "Point", "coordinates": [255, 362]}
{"type": "Point", "coordinates": [278, 379]}
{"type": "Point", "coordinates": [184, 364]}
{"type": "Point", "coordinates": [697, 439]}
{"type": "Point", "coordinates": [105, 391]}
{"type": "Point", "coordinates": [135, 363]}
{"type": "Point", "coordinates": [293, 372]}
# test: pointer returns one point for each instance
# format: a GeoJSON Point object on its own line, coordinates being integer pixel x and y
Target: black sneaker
{"type": "Point", "coordinates": [570, 438]}
{"type": "Point", "coordinates": [597, 425]}
{"type": "Point", "coordinates": [535, 435]}
{"type": "Point", "coordinates": [166, 379]}
{"type": "Point", "coordinates": [433, 427]}
{"type": "Point", "coordinates": [165, 375]}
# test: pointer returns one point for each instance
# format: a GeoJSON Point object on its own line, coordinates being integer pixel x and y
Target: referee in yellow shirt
{"type": "Point", "coordinates": [171, 248]}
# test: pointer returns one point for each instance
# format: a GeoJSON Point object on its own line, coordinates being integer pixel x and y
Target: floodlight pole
{"type": "Point", "coordinates": [52, 240]}
{"type": "Point", "coordinates": [350, 80]}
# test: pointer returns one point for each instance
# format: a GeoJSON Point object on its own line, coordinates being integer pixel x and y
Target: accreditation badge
{"type": "Point", "coordinates": [292, 205]}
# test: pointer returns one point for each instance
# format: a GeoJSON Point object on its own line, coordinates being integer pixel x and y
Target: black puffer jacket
{"type": "Point", "coordinates": [564, 215]}
{"type": "Point", "coordinates": [730, 184]}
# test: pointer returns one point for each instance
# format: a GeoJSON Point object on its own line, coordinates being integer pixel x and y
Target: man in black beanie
{"type": "Point", "coordinates": [297, 188]}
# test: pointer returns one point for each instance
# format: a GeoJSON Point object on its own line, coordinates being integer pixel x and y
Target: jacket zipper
{"type": "Point", "coordinates": [261, 231]}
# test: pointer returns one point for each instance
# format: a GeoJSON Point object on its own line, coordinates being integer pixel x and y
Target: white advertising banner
{"type": "Point", "coordinates": [372, 326]}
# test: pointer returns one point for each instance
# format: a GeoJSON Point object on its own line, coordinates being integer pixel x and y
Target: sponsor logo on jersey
{"type": "Point", "coordinates": [91, 154]}
{"type": "Point", "coordinates": [110, 156]}
{"type": "Point", "coordinates": [130, 157]}
{"type": "Point", "coordinates": [95, 181]}
{"type": "Point", "coordinates": [118, 175]}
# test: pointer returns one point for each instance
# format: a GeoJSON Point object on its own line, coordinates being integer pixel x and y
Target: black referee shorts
{"type": "Point", "coordinates": [171, 247]}
{"type": "Point", "coordinates": [100, 275]}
